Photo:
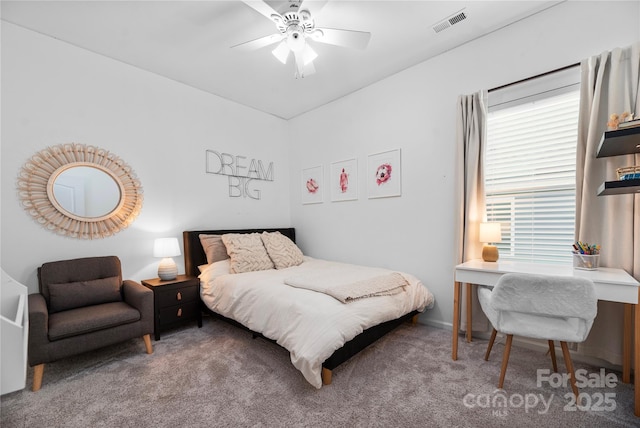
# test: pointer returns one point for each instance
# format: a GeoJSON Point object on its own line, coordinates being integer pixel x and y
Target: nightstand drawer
{"type": "Point", "coordinates": [177, 296]}
{"type": "Point", "coordinates": [180, 312]}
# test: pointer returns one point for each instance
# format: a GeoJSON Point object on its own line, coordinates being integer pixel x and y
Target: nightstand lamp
{"type": "Point", "coordinates": [490, 233]}
{"type": "Point", "coordinates": [167, 248]}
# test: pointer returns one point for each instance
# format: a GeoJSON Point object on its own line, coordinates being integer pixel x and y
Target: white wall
{"type": "Point", "coordinates": [54, 93]}
{"type": "Point", "coordinates": [415, 111]}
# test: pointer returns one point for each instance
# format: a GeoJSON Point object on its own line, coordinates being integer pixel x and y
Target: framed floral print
{"type": "Point", "coordinates": [344, 180]}
{"type": "Point", "coordinates": [384, 174]}
{"type": "Point", "coordinates": [312, 185]}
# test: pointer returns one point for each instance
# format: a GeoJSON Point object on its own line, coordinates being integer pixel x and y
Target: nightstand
{"type": "Point", "coordinates": [175, 301]}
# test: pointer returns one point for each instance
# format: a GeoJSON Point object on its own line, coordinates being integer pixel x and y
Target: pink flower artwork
{"type": "Point", "coordinates": [344, 181]}
{"type": "Point", "coordinates": [383, 173]}
{"type": "Point", "coordinates": [312, 186]}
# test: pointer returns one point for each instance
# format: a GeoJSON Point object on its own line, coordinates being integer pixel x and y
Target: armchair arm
{"type": "Point", "coordinates": [138, 296]}
{"type": "Point", "coordinates": [38, 329]}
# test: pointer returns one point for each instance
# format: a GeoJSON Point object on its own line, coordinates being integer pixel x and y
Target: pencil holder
{"type": "Point", "coordinates": [586, 261]}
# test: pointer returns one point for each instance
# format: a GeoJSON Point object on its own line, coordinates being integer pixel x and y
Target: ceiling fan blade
{"type": "Point", "coordinates": [314, 6]}
{"type": "Point", "coordinates": [262, 8]}
{"type": "Point", "coordinates": [346, 38]}
{"type": "Point", "coordinates": [260, 42]}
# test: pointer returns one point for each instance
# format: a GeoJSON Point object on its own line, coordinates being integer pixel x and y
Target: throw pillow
{"type": "Point", "coordinates": [247, 253]}
{"type": "Point", "coordinates": [73, 295]}
{"type": "Point", "coordinates": [213, 247]}
{"type": "Point", "coordinates": [282, 251]}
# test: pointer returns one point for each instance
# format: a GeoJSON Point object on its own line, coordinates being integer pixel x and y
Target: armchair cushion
{"type": "Point", "coordinates": [90, 318]}
{"type": "Point", "coordinates": [78, 294]}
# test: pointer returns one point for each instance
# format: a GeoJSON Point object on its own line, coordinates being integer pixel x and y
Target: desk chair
{"type": "Point", "coordinates": [540, 307]}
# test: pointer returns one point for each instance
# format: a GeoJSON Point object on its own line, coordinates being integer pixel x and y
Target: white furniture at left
{"type": "Point", "coordinates": [14, 318]}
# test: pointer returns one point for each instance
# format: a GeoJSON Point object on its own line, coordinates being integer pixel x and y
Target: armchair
{"type": "Point", "coordinates": [84, 305]}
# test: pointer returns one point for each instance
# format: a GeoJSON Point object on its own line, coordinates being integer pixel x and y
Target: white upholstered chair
{"type": "Point", "coordinates": [540, 307]}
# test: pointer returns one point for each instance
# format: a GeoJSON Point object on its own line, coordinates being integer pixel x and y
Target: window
{"type": "Point", "coordinates": [530, 167]}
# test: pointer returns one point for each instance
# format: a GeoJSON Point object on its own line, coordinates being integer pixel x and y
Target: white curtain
{"type": "Point", "coordinates": [609, 84]}
{"type": "Point", "coordinates": [471, 138]}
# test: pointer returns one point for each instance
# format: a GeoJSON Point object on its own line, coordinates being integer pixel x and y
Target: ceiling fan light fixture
{"type": "Point", "coordinates": [294, 27]}
{"type": "Point", "coordinates": [295, 38]}
{"type": "Point", "coordinates": [281, 52]}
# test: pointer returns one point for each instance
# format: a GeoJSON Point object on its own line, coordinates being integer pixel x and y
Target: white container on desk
{"type": "Point", "coordinates": [586, 261]}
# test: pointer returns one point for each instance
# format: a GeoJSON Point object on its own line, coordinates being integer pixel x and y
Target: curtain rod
{"type": "Point", "coordinates": [566, 67]}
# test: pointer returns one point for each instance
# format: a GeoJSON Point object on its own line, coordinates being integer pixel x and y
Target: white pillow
{"type": "Point", "coordinates": [282, 251]}
{"type": "Point", "coordinates": [214, 270]}
{"type": "Point", "coordinates": [247, 252]}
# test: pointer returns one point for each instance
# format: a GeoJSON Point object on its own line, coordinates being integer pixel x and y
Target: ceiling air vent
{"type": "Point", "coordinates": [448, 22]}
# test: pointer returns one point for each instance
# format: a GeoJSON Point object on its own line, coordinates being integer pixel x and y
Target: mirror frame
{"type": "Point", "coordinates": [35, 190]}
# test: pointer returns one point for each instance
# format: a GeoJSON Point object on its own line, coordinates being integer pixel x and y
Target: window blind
{"type": "Point", "coordinates": [530, 167]}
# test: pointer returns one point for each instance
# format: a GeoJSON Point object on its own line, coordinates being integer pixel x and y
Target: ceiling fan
{"type": "Point", "coordinates": [296, 28]}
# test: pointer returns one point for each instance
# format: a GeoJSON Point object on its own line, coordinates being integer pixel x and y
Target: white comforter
{"type": "Point", "coordinates": [310, 325]}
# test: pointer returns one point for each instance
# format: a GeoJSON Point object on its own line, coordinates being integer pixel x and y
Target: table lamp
{"type": "Point", "coordinates": [490, 233]}
{"type": "Point", "coordinates": [166, 248]}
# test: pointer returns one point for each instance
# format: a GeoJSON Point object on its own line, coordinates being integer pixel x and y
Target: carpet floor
{"type": "Point", "coordinates": [218, 376]}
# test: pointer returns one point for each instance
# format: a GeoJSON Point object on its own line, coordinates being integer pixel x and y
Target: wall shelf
{"type": "Point", "coordinates": [620, 142]}
{"type": "Point", "coordinates": [619, 187]}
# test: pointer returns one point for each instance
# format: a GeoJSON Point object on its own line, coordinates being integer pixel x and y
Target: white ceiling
{"type": "Point", "coordinates": [189, 41]}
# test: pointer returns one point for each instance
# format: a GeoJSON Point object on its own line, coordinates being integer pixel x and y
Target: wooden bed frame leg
{"type": "Point", "coordinates": [414, 319]}
{"type": "Point", "coordinates": [38, 371]}
{"type": "Point", "coordinates": [326, 376]}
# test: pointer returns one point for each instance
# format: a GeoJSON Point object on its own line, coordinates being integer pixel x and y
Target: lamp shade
{"type": "Point", "coordinates": [490, 232]}
{"type": "Point", "coordinates": [281, 52]}
{"type": "Point", "coordinates": [166, 247]}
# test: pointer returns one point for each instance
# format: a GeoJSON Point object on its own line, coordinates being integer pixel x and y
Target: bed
{"type": "Point", "coordinates": [283, 304]}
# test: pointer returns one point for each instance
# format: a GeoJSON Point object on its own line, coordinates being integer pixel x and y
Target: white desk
{"type": "Point", "coordinates": [614, 285]}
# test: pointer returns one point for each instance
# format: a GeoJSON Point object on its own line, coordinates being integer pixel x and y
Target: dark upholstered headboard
{"type": "Point", "coordinates": [194, 255]}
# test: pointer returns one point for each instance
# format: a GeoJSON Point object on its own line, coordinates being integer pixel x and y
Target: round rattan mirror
{"type": "Point", "coordinates": [80, 191]}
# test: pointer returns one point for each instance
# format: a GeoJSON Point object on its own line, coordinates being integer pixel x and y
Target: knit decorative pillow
{"type": "Point", "coordinates": [283, 251]}
{"type": "Point", "coordinates": [247, 253]}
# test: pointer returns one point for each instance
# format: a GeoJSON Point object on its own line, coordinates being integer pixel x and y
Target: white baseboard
{"type": "Point", "coordinates": [437, 324]}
